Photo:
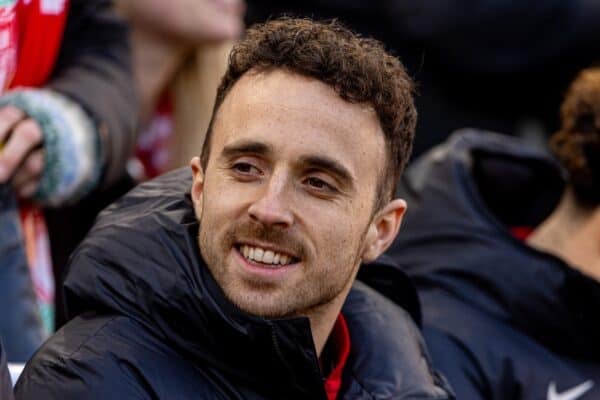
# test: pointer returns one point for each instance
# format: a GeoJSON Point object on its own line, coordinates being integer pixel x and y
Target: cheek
{"type": "Point", "coordinates": [340, 229]}
{"type": "Point", "coordinates": [222, 199]}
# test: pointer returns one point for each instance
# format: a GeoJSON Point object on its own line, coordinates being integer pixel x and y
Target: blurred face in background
{"type": "Point", "coordinates": [193, 21]}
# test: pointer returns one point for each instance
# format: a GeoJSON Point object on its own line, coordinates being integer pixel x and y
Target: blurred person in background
{"type": "Point", "coordinates": [498, 65]}
{"type": "Point", "coordinates": [505, 255]}
{"type": "Point", "coordinates": [67, 128]}
{"type": "Point", "coordinates": [21, 325]}
{"type": "Point", "coordinates": [180, 52]}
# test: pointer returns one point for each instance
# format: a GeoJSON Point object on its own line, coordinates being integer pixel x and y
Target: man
{"type": "Point", "coordinates": [506, 259]}
{"type": "Point", "coordinates": [293, 190]}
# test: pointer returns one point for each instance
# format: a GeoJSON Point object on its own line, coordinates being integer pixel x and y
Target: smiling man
{"type": "Point", "coordinates": [294, 170]}
{"type": "Point", "coordinates": [243, 287]}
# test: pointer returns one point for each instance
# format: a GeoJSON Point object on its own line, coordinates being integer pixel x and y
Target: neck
{"type": "Point", "coordinates": [322, 318]}
{"type": "Point", "coordinates": [571, 233]}
{"type": "Point", "coordinates": [322, 321]}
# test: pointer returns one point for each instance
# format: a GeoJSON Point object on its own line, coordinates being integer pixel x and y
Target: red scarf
{"type": "Point", "coordinates": [35, 29]}
{"type": "Point", "coordinates": [154, 142]}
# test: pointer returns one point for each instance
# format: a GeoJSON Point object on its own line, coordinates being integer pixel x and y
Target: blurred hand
{"type": "Point", "coordinates": [192, 21]}
{"type": "Point", "coordinates": [21, 156]}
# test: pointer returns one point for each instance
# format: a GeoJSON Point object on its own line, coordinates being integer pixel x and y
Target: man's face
{"type": "Point", "coordinates": [286, 201]}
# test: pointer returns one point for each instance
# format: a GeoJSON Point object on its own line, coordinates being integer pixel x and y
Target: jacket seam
{"type": "Point", "coordinates": [445, 396]}
{"type": "Point", "coordinates": [85, 342]}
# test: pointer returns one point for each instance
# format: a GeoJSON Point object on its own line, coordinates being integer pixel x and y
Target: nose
{"type": "Point", "coordinates": [272, 206]}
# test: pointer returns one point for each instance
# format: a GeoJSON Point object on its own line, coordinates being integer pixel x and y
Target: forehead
{"type": "Point", "coordinates": [296, 114]}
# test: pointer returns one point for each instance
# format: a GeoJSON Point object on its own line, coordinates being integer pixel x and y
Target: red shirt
{"type": "Point", "coordinates": [340, 340]}
{"type": "Point", "coordinates": [521, 232]}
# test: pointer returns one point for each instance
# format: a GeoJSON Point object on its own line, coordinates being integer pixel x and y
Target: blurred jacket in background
{"type": "Point", "coordinates": [502, 319]}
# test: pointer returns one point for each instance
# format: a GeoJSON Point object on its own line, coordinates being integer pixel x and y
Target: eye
{"type": "Point", "coordinates": [245, 168]}
{"type": "Point", "coordinates": [319, 184]}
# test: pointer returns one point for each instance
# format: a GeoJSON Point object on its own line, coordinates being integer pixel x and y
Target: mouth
{"type": "Point", "coordinates": [265, 257]}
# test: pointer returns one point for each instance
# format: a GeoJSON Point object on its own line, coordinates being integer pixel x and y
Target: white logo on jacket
{"type": "Point", "coordinates": [571, 394]}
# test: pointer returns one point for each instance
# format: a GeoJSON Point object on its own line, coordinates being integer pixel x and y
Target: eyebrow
{"type": "Point", "coordinates": [246, 147]}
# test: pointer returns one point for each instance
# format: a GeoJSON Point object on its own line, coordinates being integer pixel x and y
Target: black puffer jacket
{"type": "Point", "coordinates": [151, 322]}
{"type": "Point", "coordinates": [502, 320]}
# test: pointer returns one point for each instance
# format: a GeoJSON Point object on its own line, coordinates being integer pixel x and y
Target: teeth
{"type": "Point", "coordinates": [264, 256]}
{"type": "Point", "coordinates": [268, 257]}
{"type": "Point", "coordinates": [258, 254]}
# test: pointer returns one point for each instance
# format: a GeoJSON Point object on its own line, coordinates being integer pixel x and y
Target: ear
{"type": "Point", "coordinates": [383, 229]}
{"type": "Point", "coordinates": [197, 190]}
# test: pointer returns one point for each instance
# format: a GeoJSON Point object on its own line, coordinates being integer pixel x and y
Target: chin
{"type": "Point", "coordinates": [262, 305]}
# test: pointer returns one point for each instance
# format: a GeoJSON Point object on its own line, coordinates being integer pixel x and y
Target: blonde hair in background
{"type": "Point", "coordinates": [189, 72]}
{"type": "Point", "coordinates": [193, 89]}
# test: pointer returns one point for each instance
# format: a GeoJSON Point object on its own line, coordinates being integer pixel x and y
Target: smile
{"type": "Point", "coordinates": [265, 256]}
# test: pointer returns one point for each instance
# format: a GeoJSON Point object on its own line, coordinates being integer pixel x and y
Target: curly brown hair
{"type": "Point", "coordinates": [577, 143]}
{"type": "Point", "coordinates": [358, 69]}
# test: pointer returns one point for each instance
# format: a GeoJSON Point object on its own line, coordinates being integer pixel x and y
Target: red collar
{"type": "Point", "coordinates": [521, 232]}
{"type": "Point", "coordinates": [340, 339]}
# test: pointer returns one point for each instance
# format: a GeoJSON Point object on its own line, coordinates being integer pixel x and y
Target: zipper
{"type": "Point", "coordinates": [289, 367]}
